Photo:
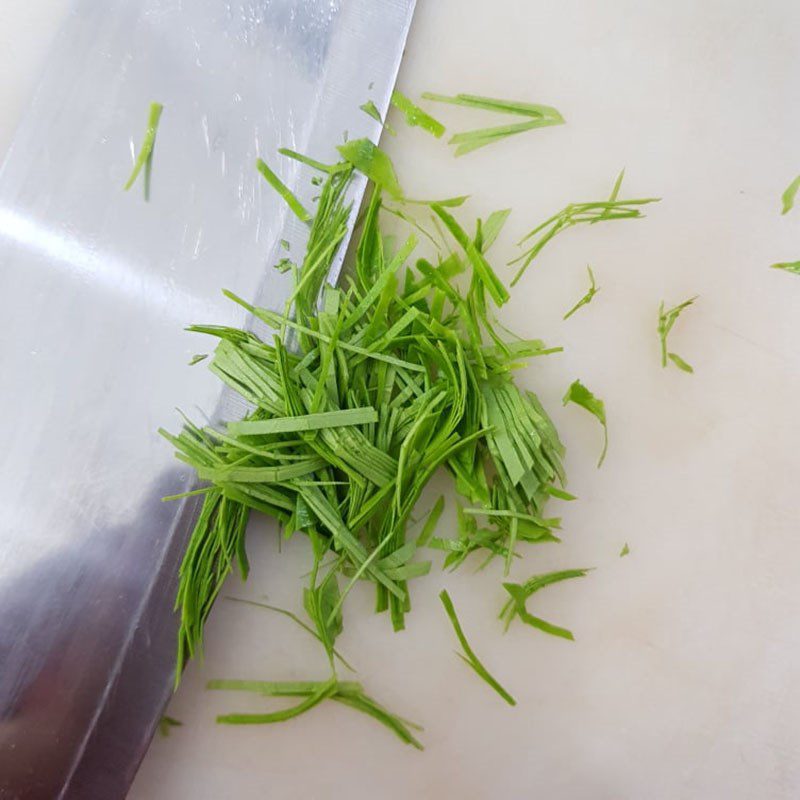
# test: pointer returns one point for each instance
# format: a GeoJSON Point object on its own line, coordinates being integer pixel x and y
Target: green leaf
{"type": "Point", "coordinates": [581, 396]}
{"type": "Point", "coordinates": [788, 266]}
{"type": "Point", "coordinates": [166, 723]}
{"type": "Point", "coordinates": [587, 298]}
{"type": "Point", "coordinates": [666, 320]}
{"type": "Point", "coordinates": [415, 116]}
{"type": "Point", "coordinates": [371, 161]}
{"type": "Point", "coordinates": [144, 158]}
{"type": "Point", "coordinates": [787, 198]}
{"type": "Point", "coordinates": [470, 658]}
{"type": "Point", "coordinates": [625, 550]}
{"type": "Point", "coordinates": [283, 190]}
{"type": "Point", "coordinates": [306, 422]}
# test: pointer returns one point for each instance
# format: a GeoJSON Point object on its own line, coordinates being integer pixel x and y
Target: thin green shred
{"type": "Point", "coordinates": [788, 266]}
{"type": "Point", "coordinates": [516, 606]}
{"type": "Point", "coordinates": [788, 197]}
{"type": "Point", "coordinates": [625, 550]}
{"type": "Point", "coordinates": [587, 298]}
{"type": "Point", "coordinates": [371, 161]}
{"type": "Point", "coordinates": [283, 190]}
{"type": "Point", "coordinates": [415, 116]}
{"type": "Point", "coordinates": [144, 158]}
{"type": "Point", "coordinates": [666, 320]}
{"type": "Point", "coordinates": [537, 116]}
{"type": "Point", "coordinates": [576, 214]}
{"type": "Point", "coordinates": [371, 110]}
{"type": "Point", "coordinates": [197, 358]}
{"type": "Point", "coordinates": [166, 724]}
{"type": "Point", "coordinates": [581, 396]}
{"type": "Point", "coordinates": [469, 656]}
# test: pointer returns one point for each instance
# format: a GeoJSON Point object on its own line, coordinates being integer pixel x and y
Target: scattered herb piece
{"type": "Point", "coordinates": [284, 265]}
{"type": "Point", "coordinates": [788, 266]}
{"type": "Point", "coordinates": [285, 244]}
{"type": "Point", "coordinates": [197, 358]}
{"type": "Point", "coordinates": [313, 693]}
{"type": "Point", "coordinates": [587, 298]}
{"type": "Point", "coordinates": [520, 592]}
{"type": "Point", "coordinates": [469, 656]}
{"type": "Point", "coordinates": [371, 110]}
{"type": "Point", "coordinates": [575, 214]}
{"type": "Point", "coordinates": [581, 396]}
{"type": "Point", "coordinates": [625, 550]}
{"type": "Point", "coordinates": [538, 116]}
{"type": "Point", "coordinates": [415, 116]}
{"type": "Point", "coordinates": [789, 195]}
{"type": "Point", "coordinates": [165, 724]}
{"type": "Point", "coordinates": [370, 160]}
{"type": "Point", "coordinates": [283, 190]}
{"type": "Point", "coordinates": [666, 320]}
{"type": "Point", "coordinates": [144, 158]}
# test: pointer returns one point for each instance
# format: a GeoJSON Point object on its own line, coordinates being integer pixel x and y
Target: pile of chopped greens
{"type": "Point", "coordinates": [361, 394]}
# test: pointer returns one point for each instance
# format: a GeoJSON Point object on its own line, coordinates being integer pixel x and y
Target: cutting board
{"type": "Point", "coordinates": [682, 681]}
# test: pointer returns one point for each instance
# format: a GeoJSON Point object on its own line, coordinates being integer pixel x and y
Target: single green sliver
{"type": "Point", "coordinates": [145, 155]}
{"type": "Point", "coordinates": [371, 161]}
{"type": "Point", "coordinates": [625, 550]}
{"type": "Point", "coordinates": [415, 116]}
{"type": "Point", "coordinates": [587, 298]}
{"type": "Point", "coordinates": [280, 187]}
{"type": "Point", "coordinates": [666, 320]}
{"type": "Point", "coordinates": [788, 266]}
{"type": "Point", "coordinates": [307, 422]}
{"type": "Point", "coordinates": [581, 396]}
{"type": "Point", "coordinates": [788, 196]}
{"type": "Point", "coordinates": [197, 358]}
{"type": "Point", "coordinates": [470, 658]}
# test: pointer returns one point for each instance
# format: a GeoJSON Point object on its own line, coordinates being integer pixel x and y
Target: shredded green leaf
{"type": "Point", "coordinates": [469, 656]}
{"type": "Point", "coordinates": [581, 396]}
{"type": "Point", "coordinates": [576, 214]}
{"type": "Point", "coordinates": [197, 358]}
{"type": "Point", "coordinates": [587, 298]}
{"type": "Point", "coordinates": [537, 116]}
{"type": "Point", "coordinates": [788, 266]}
{"type": "Point", "coordinates": [415, 116]}
{"type": "Point", "coordinates": [666, 320]}
{"type": "Point", "coordinates": [165, 724]}
{"type": "Point", "coordinates": [516, 607]}
{"type": "Point", "coordinates": [144, 158]}
{"type": "Point", "coordinates": [788, 197]}
{"type": "Point", "coordinates": [625, 550]}
{"type": "Point", "coordinates": [371, 161]}
{"type": "Point", "coordinates": [280, 187]}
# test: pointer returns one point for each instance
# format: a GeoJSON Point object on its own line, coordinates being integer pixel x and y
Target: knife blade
{"type": "Point", "coordinates": [95, 288]}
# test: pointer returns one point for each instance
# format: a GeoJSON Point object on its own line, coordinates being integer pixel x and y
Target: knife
{"type": "Point", "coordinates": [96, 286]}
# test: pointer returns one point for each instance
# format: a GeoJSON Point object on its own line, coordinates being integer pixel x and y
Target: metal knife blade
{"type": "Point", "coordinates": [95, 288]}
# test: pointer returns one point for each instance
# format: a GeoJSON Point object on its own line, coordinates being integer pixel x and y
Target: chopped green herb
{"type": "Point", "coordinates": [469, 656]}
{"type": "Point", "coordinates": [197, 358]}
{"type": "Point", "coordinates": [538, 116]}
{"type": "Point", "coordinates": [587, 298]}
{"type": "Point", "coordinates": [625, 550]}
{"type": "Point", "coordinates": [313, 693]}
{"type": "Point", "coordinates": [415, 116]}
{"type": "Point", "coordinates": [789, 195]}
{"type": "Point", "coordinates": [371, 161]}
{"type": "Point", "coordinates": [576, 214]}
{"type": "Point", "coordinates": [371, 110]}
{"type": "Point", "coordinates": [280, 187]}
{"type": "Point", "coordinates": [165, 724]}
{"type": "Point", "coordinates": [284, 265]}
{"type": "Point", "coordinates": [520, 592]}
{"type": "Point", "coordinates": [788, 266]}
{"type": "Point", "coordinates": [666, 320]}
{"type": "Point", "coordinates": [285, 245]}
{"type": "Point", "coordinates": [144, 158]}
{"type": "Point", "coordinates": [581, 396]}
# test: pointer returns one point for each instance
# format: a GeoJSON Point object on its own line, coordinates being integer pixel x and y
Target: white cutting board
{"type": "Point", "coordinates": [683, 680]}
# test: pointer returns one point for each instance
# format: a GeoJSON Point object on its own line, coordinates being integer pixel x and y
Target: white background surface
{"type": "Point", "coordinates": [683, 678]}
